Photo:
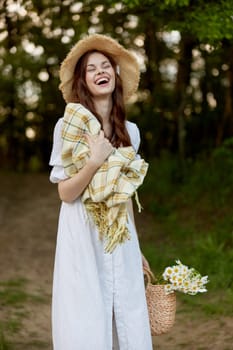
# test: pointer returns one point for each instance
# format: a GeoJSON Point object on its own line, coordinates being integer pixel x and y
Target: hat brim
{"type": "Point", "coordinates": [127, 62]}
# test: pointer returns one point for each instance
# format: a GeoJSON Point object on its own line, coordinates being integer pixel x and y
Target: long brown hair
{"type": "Point", "coordinates": [83, 96]}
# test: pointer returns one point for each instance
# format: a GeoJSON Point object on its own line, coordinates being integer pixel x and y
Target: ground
{"type": "Point", "coordinates": [29, 209]}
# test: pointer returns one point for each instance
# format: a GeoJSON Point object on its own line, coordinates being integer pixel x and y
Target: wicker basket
{"type": "Point", "coordinates": [161, 306]}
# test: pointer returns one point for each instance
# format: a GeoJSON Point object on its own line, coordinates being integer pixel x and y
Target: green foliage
{"type": "Point", "coordinates": [193, 222]}
{"type": "Point", "coordinates": [163, 4]}
{"type": "Point", "coordinates": [184, 45]}
{"type": "Point", "coordinates": [211, 22]}
{"type": "Point", "coordinates": [177, 2]}
{"type": "Point", "coordinates": [212, 176]}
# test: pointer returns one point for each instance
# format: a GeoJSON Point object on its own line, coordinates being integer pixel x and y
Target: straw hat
{"type": "Point", "coordinates": [128, 65]}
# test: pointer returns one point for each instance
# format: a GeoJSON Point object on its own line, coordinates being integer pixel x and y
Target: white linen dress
{"type": "Point", "coordinates": [98, 298]}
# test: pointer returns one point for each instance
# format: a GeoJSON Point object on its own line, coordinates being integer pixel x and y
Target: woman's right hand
{"type": "Point", "coordinates": [100, 148]}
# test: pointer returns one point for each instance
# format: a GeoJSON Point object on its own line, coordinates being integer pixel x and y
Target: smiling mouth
{"type": "Point", "coordinates": [102, 81]}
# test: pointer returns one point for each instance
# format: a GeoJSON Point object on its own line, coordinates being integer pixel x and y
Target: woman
{"type": "Point", "coordinates": [98, 293]}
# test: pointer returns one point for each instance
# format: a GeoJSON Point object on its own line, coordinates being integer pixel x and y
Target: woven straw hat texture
{"type": "Point", "coordinates": [127, 62]}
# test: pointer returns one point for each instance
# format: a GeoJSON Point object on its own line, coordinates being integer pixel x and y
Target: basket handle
{"type": "Point", "coordinates": [149, 275]}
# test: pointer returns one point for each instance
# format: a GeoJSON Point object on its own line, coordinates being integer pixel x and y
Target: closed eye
{"type": "Point", "coordinates": [90, 69]}
{"type": "Point", "coordinates": [107, 65]}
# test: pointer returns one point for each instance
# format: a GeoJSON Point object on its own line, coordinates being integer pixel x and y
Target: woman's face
{"type": "Point", "coordinates": [100, 75]}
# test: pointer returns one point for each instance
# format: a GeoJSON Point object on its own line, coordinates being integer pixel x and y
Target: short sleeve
{"type": "Point", "coordinates": [134, 135]}
{"type": "Point", "coordinates": [57, 173]}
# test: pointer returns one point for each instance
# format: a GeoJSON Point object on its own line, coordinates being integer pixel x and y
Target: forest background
{"type": "Point", "coordinates": [184, 109]}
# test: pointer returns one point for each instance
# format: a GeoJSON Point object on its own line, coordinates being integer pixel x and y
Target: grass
{"type": "Point", "coordinates": [4, 345]}
{"type": "Point", "coordinates": [13, 298]}
{"type": "Point", "coordinates": [12, 292]}
{"type": "Point", "coordinates": [191, 219]}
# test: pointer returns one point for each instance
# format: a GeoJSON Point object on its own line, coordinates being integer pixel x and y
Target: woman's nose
{"type": "Point", "coordinates": [100, 71]}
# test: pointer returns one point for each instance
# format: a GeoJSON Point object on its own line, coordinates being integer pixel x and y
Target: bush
{"type": "Point", "coordinates": [192, 219]}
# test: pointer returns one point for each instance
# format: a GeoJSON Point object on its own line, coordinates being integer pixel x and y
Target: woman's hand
{"type": "Point", "coordinates": [71, 188]}
{"type": "Point", "coordinates": [100, 148]}
{"type": "Point", "coordinates": [145, 264]}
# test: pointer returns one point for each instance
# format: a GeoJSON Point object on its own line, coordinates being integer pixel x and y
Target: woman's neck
{"type": "Point", "coordinates": [103, 108]}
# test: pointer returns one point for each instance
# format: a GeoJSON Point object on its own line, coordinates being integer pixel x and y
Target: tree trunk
{"type": "Point", "coordinates": [182, 81]}
{"type": "Point", "coordinates": [225, 125]}
{"type": "Point", "coordinates": [152, 49]}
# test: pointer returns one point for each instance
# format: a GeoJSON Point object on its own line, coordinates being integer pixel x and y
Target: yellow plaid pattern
{"type": "Point", "coordinates": [112, 185]}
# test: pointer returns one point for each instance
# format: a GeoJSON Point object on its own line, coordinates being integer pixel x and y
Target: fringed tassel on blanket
{"type": "Point", "coordinates": [112, 235]}
{"type": "Point", "coordinates": [98, 212]}
{"type": "Point", "coordinates": [138, 203]}
{"type": "Point", "coordinates": [116, 235]}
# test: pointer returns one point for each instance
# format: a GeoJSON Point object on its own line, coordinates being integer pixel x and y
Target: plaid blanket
{"type": "Point", "coordinates": [112, 185]}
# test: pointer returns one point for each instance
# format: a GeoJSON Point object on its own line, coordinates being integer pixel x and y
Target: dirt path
{"type": "Point", "coordinates": [28, 219]}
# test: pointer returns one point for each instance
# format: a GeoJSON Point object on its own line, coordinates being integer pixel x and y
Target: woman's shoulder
{"type": "Point", "coordinates": [132, 129]}
{"type": "Point", "coordinates": [134, 134]}
{"type": "Point", "coordinates": [57, 127]}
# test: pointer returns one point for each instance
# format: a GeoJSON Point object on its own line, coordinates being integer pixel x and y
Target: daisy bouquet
{"type": "Point", "coordinates": [160, 296]}
{"type": "Point", "coordinates": [181, 278]}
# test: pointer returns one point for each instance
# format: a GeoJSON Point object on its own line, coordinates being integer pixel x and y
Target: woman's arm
{"type": "Point", "coordinates": [71, 188]}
